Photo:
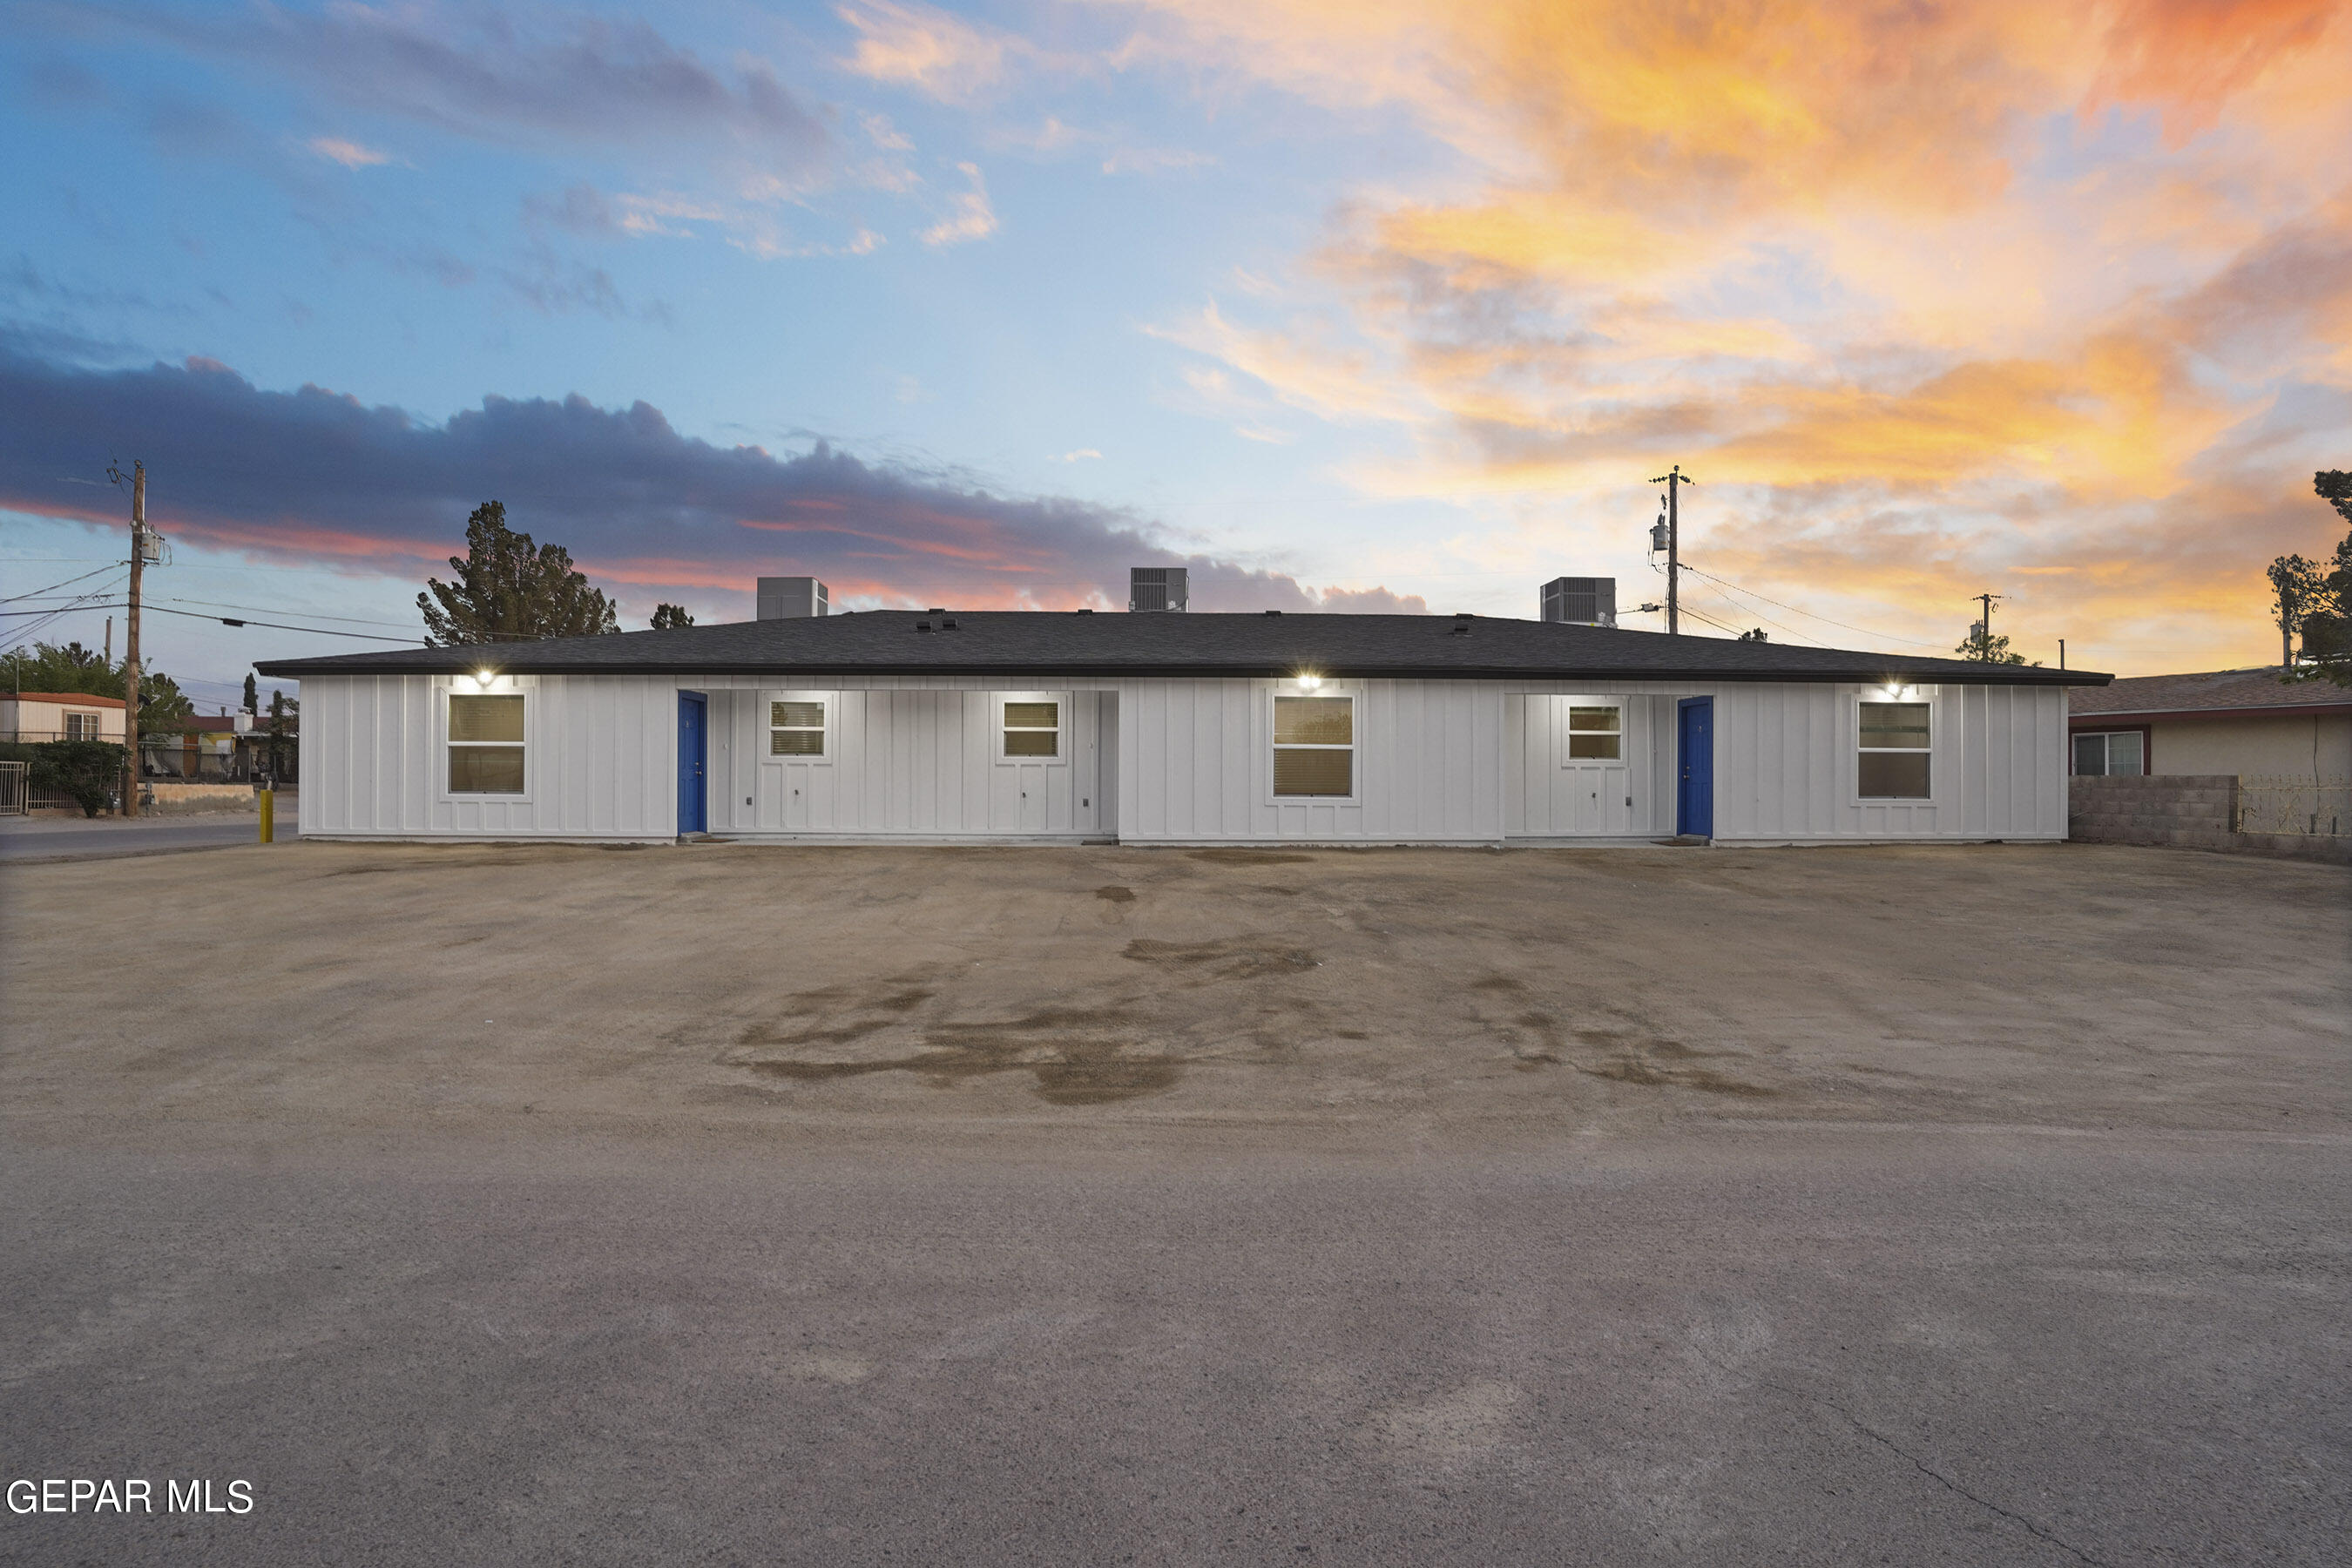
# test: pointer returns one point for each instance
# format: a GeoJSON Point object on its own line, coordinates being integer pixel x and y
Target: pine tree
{"type": "Point", "coordinates": [2327, 616]}
{"type": "Point", "coordinates": [669, 617]}
{"type": "Point", "coordinates": [252, 696]}
{"type": "Point", "coordinates": [509, 590]}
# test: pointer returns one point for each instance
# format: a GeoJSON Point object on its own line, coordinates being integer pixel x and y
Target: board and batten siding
{"type": "Point", "coordinates": [907, 762]}
{"type": "Point", "coordinates": [1786, 765]}
{"type": "Point", "coordinates": [1175, 762]}
{"type": "Point", "coordinates": [1442, 761]}
{"type": "Point", "coordinates": [600, 760]}
{"type": "Point", "coordinates": [1196, 763]}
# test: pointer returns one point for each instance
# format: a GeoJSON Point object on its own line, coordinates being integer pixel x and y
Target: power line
{"type": "Point", "coordinates": [1866, 631]}
{"type": "Point", "coordinates": [225, 620]}
{"type": "Point", "coordinates": [1722, 592]}
{"type": "Point", "coordinates": [281, 627]}
{"type": "Point", "coordinates": [53, 587]}
{"type": "Point", "coordinates": [314, 614]}
{"type": "Point", "coordinates": [1718, 626]}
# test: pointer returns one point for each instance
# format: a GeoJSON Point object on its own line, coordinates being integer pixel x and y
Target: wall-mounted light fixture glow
{"type": "Point", "coordinates": [1896, 691]}
{"type": "Point", "coordinates": [485, 678]}
{"type": "Point", "coordinates": [1310, 682]}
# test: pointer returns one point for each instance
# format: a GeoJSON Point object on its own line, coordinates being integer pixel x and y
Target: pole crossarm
{"type": "Point", "coordinates": [1673, 478]}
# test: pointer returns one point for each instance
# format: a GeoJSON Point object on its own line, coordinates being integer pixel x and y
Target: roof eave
{"type": "Point", "coordinates": [1862, 674]}
{"type": "Point", "coordinates": [2279, 711]}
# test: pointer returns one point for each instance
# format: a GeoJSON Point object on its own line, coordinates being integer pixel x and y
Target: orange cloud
{"type": "Point", "coordinates": [927, 49]}
{"type": "Point", "coordinates": [2003, 287]}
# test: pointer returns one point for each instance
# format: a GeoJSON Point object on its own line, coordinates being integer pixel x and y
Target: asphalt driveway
{"type": "Point", "coordinates": [26, 839]}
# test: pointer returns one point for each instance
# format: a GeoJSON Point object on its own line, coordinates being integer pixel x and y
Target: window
{"type": "Point", "coordinates": [1315, 746]}
{"type": "Point", "coordinates": [1594, 734]}
{"type": "Point", "coordinates": [486, 744]}
{"type": "Point", "coordinates": [2119, 751]}
{"type": "Point", "coordinates": [796, 727]}
{"type": "Point", "coordinates": [81, 726]}
{"type": "Point", "coordinates": [1033, 729]}
{"type": "Point", "coordinates": [1895, 751]}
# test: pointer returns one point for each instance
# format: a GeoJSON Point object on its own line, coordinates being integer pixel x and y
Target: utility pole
{"type": "Point", "coordinates": [130, 635]}
{"type": "Point", "coordinates": [2062, 652]}
{"type": "Point", "coordinates": [1984, 627]}
{"type": "Point", "coordinates": [1674, 479]}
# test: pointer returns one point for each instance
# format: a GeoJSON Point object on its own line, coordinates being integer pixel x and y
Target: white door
{"type": "Point", "coordinates": [1592, 765]}
{"type": "Point", "coordinates": [797, 741]}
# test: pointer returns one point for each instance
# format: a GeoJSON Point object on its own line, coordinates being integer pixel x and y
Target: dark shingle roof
{"type": "Point", "coordinates": [1060, 643]}
{"type": "Point", "coordinates": [2214, 692]}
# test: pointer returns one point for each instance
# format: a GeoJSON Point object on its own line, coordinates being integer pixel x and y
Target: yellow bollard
{"type": "Point", "coordinates": [268, 814]}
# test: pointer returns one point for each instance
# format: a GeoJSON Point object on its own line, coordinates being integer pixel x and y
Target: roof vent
{"type": "Point", "coordinates": [791, 598]}
{"type": "Point", "coordinates": [1580, 601]}
{"type": "Point", "coordinates": [1155, 588]}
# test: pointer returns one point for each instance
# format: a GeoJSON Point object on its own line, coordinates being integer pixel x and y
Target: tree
{"type": "Point", "coordinates": [2296, 588]}
{"type": "Point", "coordinates": [508, 590]}
{"type": "Point", "coordinates": [252, 697]}
{"type": "Point", "coordinates": [278, 706]}
{"type": "Point", "coordinates": [670, 617]}
{"type": "Point", "coordinates": [1754, 634]}
{"type": "Point", "coordinates": [86, 772]}
{"type": "Point", "coordinates": [50, 667]}
{"type": "Point", "coordinates": [68, 666]}
{"type": "Point", "coordinates": [1987, 650]}
{"type": "Point", "coordinates": [2334, 486]}
{"type": "Point", "coordinates": [2322, 592]}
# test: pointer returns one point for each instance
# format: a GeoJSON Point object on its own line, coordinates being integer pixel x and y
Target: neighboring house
{"type": "Point", "coordinates": [214, 748]}
{"type": "Point", "coordinates": [2247, 722]}
{"type": "Point", "coordinates": [1175, 728]}
{"type": "Point", "coordinates": [37, 716]}
{"type": "Point", "coordinates": [2256, 754]}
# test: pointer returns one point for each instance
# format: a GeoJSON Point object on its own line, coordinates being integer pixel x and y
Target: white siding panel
{"type": "Point", "coordinates": [1186, 760]}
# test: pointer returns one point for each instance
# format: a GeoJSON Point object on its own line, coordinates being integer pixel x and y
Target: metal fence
{"type": "Point", "coordinates": [12, 789]}
{"type": "Point", "coordinates": [246, 760]}
{"type": "Point", "coordinates": [2303, 807]}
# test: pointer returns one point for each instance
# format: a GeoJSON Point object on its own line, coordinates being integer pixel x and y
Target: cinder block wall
{"type": "Point", "coordinates": [2200, 810]}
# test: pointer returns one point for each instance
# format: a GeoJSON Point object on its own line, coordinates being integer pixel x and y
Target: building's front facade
{"type": "Point", "coordinates": [1179, 728]}
{"type": "Point", "coordinates": [2247, 722]}
{"type": "Point", "coordinates": [33, 717]}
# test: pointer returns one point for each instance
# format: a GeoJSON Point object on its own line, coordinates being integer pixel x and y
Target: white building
{"type": "Point", "coordinates": [978, 727]}
{"type": "Point", "coordinates": [37, 716]}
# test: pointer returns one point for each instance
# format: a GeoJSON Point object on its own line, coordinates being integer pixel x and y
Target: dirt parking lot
{"type": "Point", "coordinates": [414, 986]}
{"type": "Point", "coordinates": [495, 1203]}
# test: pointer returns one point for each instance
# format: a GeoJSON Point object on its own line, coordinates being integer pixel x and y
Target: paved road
{"type": "Point", "coordinates": [106, 838]}
{"type": "Point", "coordinates": [1724, 1345]}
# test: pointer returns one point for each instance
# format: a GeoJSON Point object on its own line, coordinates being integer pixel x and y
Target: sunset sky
{"type": "Point", "coordinates": [1353, 304]}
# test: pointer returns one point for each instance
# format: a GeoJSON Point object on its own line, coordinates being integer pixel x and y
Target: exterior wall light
{"type": "Point", "coordinates": [1310, 682]}
{"type": "Point", "coordinates": [485, 678]}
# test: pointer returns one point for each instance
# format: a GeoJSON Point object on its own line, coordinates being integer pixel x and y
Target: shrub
{"type": "Point", "coordinates": [88, 773]}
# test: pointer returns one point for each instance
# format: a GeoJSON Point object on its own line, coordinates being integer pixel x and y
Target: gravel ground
{"type": "Point", "coordinates": [501, 1203]}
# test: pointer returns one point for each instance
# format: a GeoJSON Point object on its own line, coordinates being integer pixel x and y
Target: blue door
{"type": "Point", "coordinates": [693, 813]}
{"type": "Point", "coordinates": [1694, 788]}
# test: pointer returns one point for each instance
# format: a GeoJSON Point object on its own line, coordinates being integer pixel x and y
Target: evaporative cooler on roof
{"type": "Point", "coordinates": [791, 598]}
{"type": "Point", "coordinates": [1156, 588]}
{"type": "Point", "coordinates": [1580, 601]}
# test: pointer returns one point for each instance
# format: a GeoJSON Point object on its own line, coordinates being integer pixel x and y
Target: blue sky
{"type": "Point", "coordinates": [1354, 306]}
